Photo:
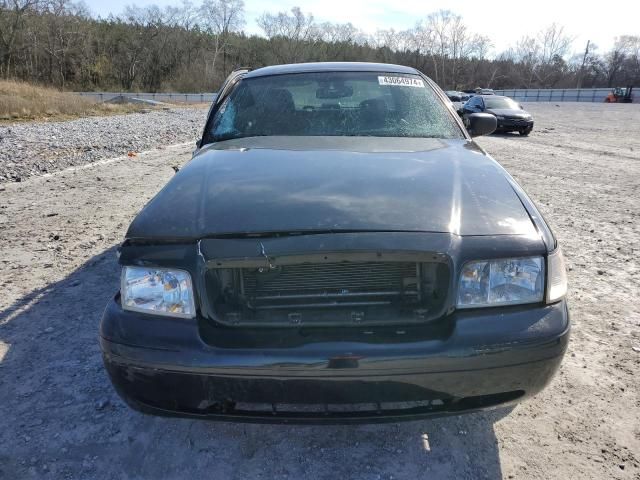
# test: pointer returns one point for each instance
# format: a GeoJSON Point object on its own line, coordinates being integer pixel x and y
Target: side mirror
{"type": "Point", "coordinates": [481, 124]}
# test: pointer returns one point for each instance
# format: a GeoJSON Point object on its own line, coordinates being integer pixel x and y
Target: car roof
{"type": "Point", "coordinates": [330, 67]}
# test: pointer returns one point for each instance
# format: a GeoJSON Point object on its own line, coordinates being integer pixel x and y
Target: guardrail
{"type": "Point", "coordinates": [519, 94]}
{"type": "Point", "coordinates": [159, 97]}
{"type": "Point", "coordinates": [556, 94]}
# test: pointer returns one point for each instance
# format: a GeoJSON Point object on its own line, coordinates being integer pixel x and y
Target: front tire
{"type": "Point", "coordinates": [525, 131]}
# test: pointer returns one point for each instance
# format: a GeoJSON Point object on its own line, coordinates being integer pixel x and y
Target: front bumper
{"type": "Point", "coordinates": [475, 360]}
{"type": "Point", "coordinates": [514, 124]}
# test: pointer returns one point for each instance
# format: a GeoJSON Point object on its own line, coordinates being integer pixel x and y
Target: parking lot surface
{"type": "Point", "coordinates": [60, 418]}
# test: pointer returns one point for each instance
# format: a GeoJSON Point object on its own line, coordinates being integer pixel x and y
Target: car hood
{"type": "Point", "coordinates": [324, 184]}
{"type": "Point", "coordinates": [509, 112]}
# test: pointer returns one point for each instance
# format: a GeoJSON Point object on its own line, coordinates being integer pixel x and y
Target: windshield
{"type": "Point", "coordinates": [333, 104]}
{"type": "Point", "coordinates": [501, 102]}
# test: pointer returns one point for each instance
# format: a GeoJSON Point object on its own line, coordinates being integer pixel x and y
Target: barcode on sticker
{"type": "Point", "coordinates": [401, 81]}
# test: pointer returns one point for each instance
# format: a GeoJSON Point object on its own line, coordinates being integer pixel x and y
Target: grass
{"type": "Point", "coordinates": [21, 101]}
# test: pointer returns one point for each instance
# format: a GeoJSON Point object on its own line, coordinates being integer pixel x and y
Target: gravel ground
{"type": "Point", "coordinates": [28, 149]}
{"type": "Point", "coordinates": [59, 417]}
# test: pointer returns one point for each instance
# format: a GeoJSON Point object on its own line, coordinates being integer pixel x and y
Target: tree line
{"type": "Point", "coordinates": [193, 47]}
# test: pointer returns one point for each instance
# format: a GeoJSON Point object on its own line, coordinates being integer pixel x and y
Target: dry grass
{"type": "Point", "coordinates": [23, 101]}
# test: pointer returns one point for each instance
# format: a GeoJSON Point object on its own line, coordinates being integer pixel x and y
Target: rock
{"type": "Point", "coordinates": [102, 404]}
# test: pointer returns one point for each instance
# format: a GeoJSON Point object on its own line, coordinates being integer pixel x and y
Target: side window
{"type": "Point", "coordinates": [480, 103]}
{"type": "Point", "coordinates": [227, 114]}
{"type": "Point", "coordinates": [222, 98]}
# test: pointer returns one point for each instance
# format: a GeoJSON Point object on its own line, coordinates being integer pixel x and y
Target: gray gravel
{"type": "Point", "coordinates": [28, 149]}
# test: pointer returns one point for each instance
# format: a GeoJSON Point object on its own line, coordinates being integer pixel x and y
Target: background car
{"type": "Point", "coordinates": [457, 98]}
{"type": "Point", "coordinates": [510, 115]}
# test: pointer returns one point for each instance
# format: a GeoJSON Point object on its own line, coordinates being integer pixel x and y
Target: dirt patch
{"type": "Point", "coordinates": [59, 417]}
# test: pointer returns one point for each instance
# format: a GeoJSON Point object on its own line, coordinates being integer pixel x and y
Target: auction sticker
{"type": "Point", "coordinates": [401, 81]}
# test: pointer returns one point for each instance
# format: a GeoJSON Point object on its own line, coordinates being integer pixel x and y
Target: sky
{"type": "Point", "coordinates": [503, 22]}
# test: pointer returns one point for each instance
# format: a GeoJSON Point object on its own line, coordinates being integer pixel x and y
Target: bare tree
{"type": "Point", "coordinates": [387, 42]}
{"type": "Point", "coordinates": [12, 17]}
{"type": "Point", "coordinates": [290, 32]}
{"type": "Point", "coordinates": [422, 40]}
{"type": "Point", "coordinates": [336, 38]}
{"type": "Point", "coordinates": [185, 20]}
{"type": "Point", "coordinates": [221, 18]}
{"type": "Point", "coordinates": [459, 42]}
{"type": "Point", "coordinates": [339, 32]}
{"type": "Point", "coordinates": [554, 46]}
{"type": "Point", "coordinates": [464, 46]}
{"type": "Point", "coordinates": [625, 52]}
{"type": "Point", "coordinates": [449, 44]}
{"type": "Point", "coordinates": [439, 23]}
{"type": "Point", "coordinates": [64, 31]}
{"type": "Point", "coordinates": [474, 52]}
{"type": "Point", "coordinates": [527, 54]}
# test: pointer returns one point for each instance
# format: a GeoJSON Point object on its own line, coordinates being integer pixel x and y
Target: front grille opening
{"type": "Point", "coordinates": [331, 285]}
{"type": "Point", "coordinates": [328, 293]}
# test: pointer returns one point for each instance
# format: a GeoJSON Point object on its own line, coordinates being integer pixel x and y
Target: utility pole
{"type": "Point", "coordinates": [584, 60]}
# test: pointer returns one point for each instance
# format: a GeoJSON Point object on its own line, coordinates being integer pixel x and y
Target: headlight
{"type": "Point", "coordinates": [158, 291]}
{"type": "Point", "coordinates": [556, 277]}
{"type": "Point", "coordinates": [510, 281]}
